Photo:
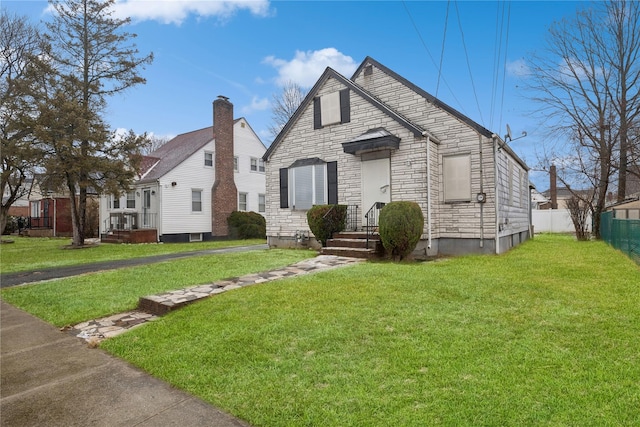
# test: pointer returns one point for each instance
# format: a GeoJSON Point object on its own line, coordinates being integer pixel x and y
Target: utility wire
{"type": "Point", "coordinates": [415, 27]}
{"type": "Point", "coordinates": [466, 54]}
{"type": "Point", "coordinates": [504, 69]}
{"type": "Point", "coordinates": [444, 38]}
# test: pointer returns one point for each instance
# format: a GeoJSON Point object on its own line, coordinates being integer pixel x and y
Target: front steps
{"type": "Point", "coordinates": [353, 244]}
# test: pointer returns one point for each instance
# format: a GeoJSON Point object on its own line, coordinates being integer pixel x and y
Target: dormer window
{"type": "Point", "coordinates": [331, 108]}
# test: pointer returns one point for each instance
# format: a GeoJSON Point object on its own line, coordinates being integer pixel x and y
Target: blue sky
{"type": "Point", "coordinates": [245, 50]}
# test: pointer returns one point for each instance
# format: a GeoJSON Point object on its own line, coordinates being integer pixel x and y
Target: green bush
{"type": "Point", "coordinates": [324, 220]}
{"type": "Point", "coordinates": [247, 225]}
{"type": "Point", "coordinates": [400, 226]}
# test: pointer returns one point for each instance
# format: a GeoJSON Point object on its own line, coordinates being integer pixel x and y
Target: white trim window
{"type": "Point", "coordinates": [257, 165]}
{"type": "Point", "coordinates": [236, 164]}
{"type": "Point", "coordinates": [242, 202]}
{"type": "Point", "coordinates": [131, 200]}
{"type": "Point", "coordinates": [196, 200]}
{"type": "Point", "coordinates": [308, 186]}
{"type": "Point", "coordinates": [457, 178]}
{"type": "Point", "coordinates": [262, 203]}
{"type": "Point", "coordinates": [116, 202]}
{"type": "Point", "coordinates": [208, 159]}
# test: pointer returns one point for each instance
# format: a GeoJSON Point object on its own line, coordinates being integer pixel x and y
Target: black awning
{"type": "Point", "coordinates": [377, 139]}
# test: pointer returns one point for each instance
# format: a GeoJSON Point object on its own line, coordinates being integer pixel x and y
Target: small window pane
{"type": "Point", "coordinates": [320, 193]}
{"type": "Point", "coordinates": [116, 202]}
{"type": "Point", "coordinates": [242, 201]}
{"type": "Point", "coordinates": [196, 200]}
{"type": "Point", "coordinates": [261, 203]}
{"type": "Point", "coordinates": [236, 164]}
{"type": "Point", "coordinates": [254, 164]}
{"type": "Point", "coordinates": [208, 159]}
{"type": "Point", "coordinates": [131, 200]}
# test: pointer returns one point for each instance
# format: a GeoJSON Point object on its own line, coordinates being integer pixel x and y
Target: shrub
{"type": "Point", "coordinates": [400, 226]}
{"type": "Point", "coordinates": [247, 225]}
{"type": "Point", "coordinates": [324, 220]}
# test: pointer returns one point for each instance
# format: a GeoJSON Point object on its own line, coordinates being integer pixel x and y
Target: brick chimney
{"type": "Point", "coordinates": [553, 188]}
{"type": "Point", "coordinates": [224, 194]}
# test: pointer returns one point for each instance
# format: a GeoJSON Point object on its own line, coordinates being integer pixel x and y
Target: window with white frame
{"type": "Point", "coordinates": [308, 186]}
{"type": "Point", "coordinates": [196, 200]}
{"type": "Point", "coordinates": [257, 165]}
{"type": "Point", "coordinates": [457, 178]}
{"type": "Point", "coordinates": [236, 164]}
{"type": "Point", "coordinates": [242, 201]}
{"type": "Point", "coordinates": [261, 203]}
{"type": "Point", "coordinates": [116, 202]}
{"type": "Point", "coordinates": [330, 108]}
{"type": "Point", "coordinates": [131, 200]}
{"type": "Point", "coordinates": [208, 158]}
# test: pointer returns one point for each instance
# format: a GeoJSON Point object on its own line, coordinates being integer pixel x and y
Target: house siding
{"type": "Point", "coordinates": [456, 227]}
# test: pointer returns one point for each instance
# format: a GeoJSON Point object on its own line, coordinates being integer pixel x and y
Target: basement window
{"type": "Point", "coordinates": [195, 237]}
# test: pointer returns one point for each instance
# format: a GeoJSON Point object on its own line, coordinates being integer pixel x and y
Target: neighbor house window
{"type": "Point", "coordinates": [196, 200]}
{"type": "Point", "coordinates": [208, 159]}
{"type": "Point", "coordinates": [116, 202]}
{"type": "Point", "coordinates": [236, 167]}
{"type": "Point", "coordinates": [242, 201]}
{"type": "Point", "coordinates": [257, 165]}
{"type": "Point", "coordinates": [457, 178]}
{"type": "Point", "coordinates": [331, 108]}
{"type": "Point", "coordinates": [261, 203]}
{"type": "Point", "coordinates": [131, 200]}
{"type": "Point", "coordinates": [308, 182]}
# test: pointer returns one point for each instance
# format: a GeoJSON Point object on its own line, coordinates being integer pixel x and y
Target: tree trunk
{"type": "Point", "coordinates": [4, 215]}
{"type": "Point", "coordinates": [78, 229]}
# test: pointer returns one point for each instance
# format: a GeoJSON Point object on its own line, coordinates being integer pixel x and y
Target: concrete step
{"type": "Point", "coordinates": [350, 252]}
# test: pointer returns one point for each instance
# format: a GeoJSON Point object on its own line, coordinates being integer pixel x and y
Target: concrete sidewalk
{"type": "Point", "coordinates": [51, 378]}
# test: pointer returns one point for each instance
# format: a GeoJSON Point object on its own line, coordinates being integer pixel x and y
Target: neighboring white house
{"type": "Point", "coordinates": [378, 138]}
{"type": "Point", "coordinates": [191, 181]}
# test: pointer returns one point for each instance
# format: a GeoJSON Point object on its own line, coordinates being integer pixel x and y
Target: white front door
{"type": "Point", "coordinates": [376, 183]}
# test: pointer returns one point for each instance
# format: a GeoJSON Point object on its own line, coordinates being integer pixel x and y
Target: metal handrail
{"type": "Point", "coordinates": [372, 216]}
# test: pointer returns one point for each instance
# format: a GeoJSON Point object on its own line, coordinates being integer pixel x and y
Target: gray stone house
{"type": "Point", "coordinates": [377, 138]}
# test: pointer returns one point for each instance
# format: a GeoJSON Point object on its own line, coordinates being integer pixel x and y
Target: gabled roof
{"type": "Point", "coordinates": [432, 99]}
{"type": "Point", "coordinates": [330, 73]}
{"type": "Point", "coordinates": [175, 152]}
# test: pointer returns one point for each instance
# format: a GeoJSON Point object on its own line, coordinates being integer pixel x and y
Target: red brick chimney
{"type": "Point", "coordinates": [224, 194]}
{"type": "Point", "coordinates": [553, 188]}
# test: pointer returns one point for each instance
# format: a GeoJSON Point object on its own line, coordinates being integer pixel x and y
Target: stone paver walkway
{"type": "Point", "coordinates": [152, 306]}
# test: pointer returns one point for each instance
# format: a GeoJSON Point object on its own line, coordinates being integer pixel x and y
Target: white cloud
{"type": "Point", "coordinates": [257, 104]}
{"type": "Point", "coordinates": [176, 11]}
{"type": "Point", "coordinates": [305, 68]}
{"type": "Point", "coordinates": [518, 68]}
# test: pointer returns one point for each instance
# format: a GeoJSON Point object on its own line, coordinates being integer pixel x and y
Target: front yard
{"type": "Point", "coordinates": [547, 334]}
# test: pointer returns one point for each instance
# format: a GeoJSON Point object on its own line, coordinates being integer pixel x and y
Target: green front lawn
{"type": "Point", "coordinates": [32, 253]}
{"type": "Point", "coordinates": [547, 334]}
{"type": "Point", "coordinates": [75, 299]}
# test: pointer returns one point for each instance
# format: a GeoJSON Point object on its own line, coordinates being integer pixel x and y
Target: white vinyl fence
{"type": "Point", "coordinates": [554, 221]}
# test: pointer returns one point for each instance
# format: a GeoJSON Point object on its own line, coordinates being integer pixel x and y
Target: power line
{"type": "Point", "coordinates": [444, 38]}
{"type": "Point", "coordinates": [415, 27]}
{"type": "Point", "coordinates": [466, 54]}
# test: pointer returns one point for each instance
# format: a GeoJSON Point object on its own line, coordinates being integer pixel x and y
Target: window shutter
{"type": "Point", "coordinates": [284, 188]}
{"type": "Point", "coordinates": [332, 183]}
{"type": "Point", "coordinates": [345, 106]}
{"type": "Point", "coordinates": [317, 117]}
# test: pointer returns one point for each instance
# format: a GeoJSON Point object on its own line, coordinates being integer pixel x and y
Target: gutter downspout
{"type": "Point", "coordinates": [497, 195]}
{"type": "Point", "coordinates": [428, 191]}
{"type": "Point", "coordinates": [481, 191]}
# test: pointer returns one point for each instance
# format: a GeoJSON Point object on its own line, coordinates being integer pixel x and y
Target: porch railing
{"type": "Point", "coordinates": [39, 222]}
{"type": "Point", "coordinates": [372, 216]}
{"type": "Point", "coordinates": [123, 221]}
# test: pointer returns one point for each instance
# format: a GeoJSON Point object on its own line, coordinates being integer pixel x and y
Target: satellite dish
{"type": "Point", "coordinates": [508, 135]}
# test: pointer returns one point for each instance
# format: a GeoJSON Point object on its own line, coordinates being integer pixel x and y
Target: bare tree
{"type": "Point", "coordinates": [588, 101]}
{"type": "Point", "coordinates": [92, 57]}
{"type": "Point", "coordinates": [284, 105]}
{"type": "Point", "coordinates": [579, 210]}
{"type": "Point", "coordinates": [19, 43]}
{"type": "Point", "coordinates": [155, 142]}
